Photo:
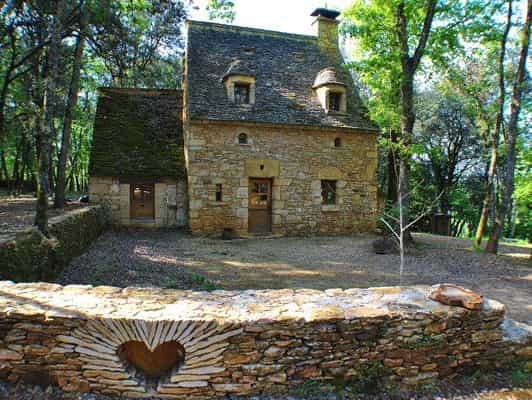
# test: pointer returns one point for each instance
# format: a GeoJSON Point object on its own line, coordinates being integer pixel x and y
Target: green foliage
{"type": "Point", "coordinates": [369, 377]}
{"type": "Point", "coordinates": [308, 388]}
{"type": "Point", "coordinates": [521, 375]}
{"type": "Point", "coordinates": [203, 283]}
{"type": "Point", "coordinates": [523, 195]}
{"type": "Point", "coordinates": [133, 43]}
{"type": "Point", "coordinates": [417, 342]}
{"type": "Point", "coordinates": [482, 377]}
{"type": "Point", "coordinates": [221, 10]}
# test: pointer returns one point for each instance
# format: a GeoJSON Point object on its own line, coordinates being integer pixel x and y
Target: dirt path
{"type": "Point", "coordinates": [19, 213]}
{"type": "Point", "coordinates": [163, 258]}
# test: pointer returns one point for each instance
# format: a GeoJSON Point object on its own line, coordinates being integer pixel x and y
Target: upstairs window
{"type": "Point", "coordinates": [328, 192]}
{"type": "Point", "coordinates": [240, 88]}
{"type": "Point", "coordinates": [337, 142]}
{"type": "Point", "coordinates": [242, 93]}
{"type": "Point", "coordinates": [242, 138]}
{"type": "Point", "coordinates": [335, 101]}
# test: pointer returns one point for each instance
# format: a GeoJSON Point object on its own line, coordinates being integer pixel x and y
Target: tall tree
{"type": "Point", "coordinates": [59, 199]}
{"type": "Point", "coordinates": [489, 199]}
{"type": "Point", "coordinates": [394, 37]}
{"type": "Point", "coordinates": [447, 139]}
{"type": "Point", "coordinates": [409, 65]}
{"type": "Point", "coordinates": [519, 83]}
{"type": "Point", "coordinates": [49, 105]}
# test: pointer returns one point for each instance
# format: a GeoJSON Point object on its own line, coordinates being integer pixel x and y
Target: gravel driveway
{"type": "Point", "coordinates": [175, 259]}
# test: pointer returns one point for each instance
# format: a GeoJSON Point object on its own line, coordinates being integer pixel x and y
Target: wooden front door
{"type": "Point", "coordinates": [260, 206]}
{"type": "Point", "coordinates": [142, 195]}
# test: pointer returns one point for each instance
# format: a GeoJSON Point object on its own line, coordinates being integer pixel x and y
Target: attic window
{"type": "Point", "coordinates": [242, 93]}
{"type": "Point", "coordinates": [240, 88]}
{"type": "Point", "coordinates": [335, 99]}
{"type": "Point", "coordinates": [331, 91]}
{"type": "Point", "coordinates": [337, 142]}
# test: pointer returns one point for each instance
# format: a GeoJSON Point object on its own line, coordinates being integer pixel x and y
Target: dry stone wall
{"type": "Point", "coordinates": [242, 342]}
{"type": "Point", "coordinates": [30, 256]}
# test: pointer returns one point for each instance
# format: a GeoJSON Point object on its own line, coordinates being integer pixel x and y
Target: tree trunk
{"type": "Point", "coordinates": [59, 201]}
{"type": "Point", "coordinates": [515, 108]}
{"type": "Point", "coordinates": [3, 96]}
{"type": "Point", "coordinates": [46, 128]}
{"type": "Point", "coordinates": [409, 65]}
{"type": "Point", "coordinates": [489, 197]}
{"type": "Point", "coordinates": [407, 127]}
{"type": "Point", "coordinates": [489, 201]}
{"type": "Point", "coordinates": [392, 168]}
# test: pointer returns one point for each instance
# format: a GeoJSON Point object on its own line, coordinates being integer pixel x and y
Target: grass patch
{"type": "Point", "coordinates": [309, 388]}
{"type": "Point", "coordinates": [423, 341]}
{"type": "Point", "coordinates": [195, 280]}
{"type": "Point", "coordinates": [521, 375]}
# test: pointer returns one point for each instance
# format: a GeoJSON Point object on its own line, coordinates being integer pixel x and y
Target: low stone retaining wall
{"type": "Point", "coordinates": [29, 256]}
{"type": "Point", "coordinates": [183, 344]}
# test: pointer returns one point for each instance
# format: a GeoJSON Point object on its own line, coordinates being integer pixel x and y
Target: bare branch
{"type": "Point", "coordinates": [391, 229]}
{"type": "Point", "coordinates": [427, 210]}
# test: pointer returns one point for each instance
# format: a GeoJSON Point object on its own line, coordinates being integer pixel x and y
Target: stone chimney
{"type": "Point", "coordinates": [327, 26]}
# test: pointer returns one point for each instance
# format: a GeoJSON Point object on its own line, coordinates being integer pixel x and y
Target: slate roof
{"type": "Point", "coordinates": [285, 66]}
{"type": "Point", "coordinates": [138, 133]}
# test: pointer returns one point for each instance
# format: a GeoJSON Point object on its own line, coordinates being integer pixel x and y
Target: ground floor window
{"type": "Point", "coordinates": [328, 192]}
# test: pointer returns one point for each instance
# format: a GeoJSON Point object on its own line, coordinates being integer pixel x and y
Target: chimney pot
{"type": "Point", "coordinates": [327, 26]}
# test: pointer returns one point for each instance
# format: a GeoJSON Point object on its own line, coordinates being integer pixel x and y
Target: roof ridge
{"type": "Point", "coordinates": [137, 89]}
{"type": "Point", "coordinates": [229, 27]}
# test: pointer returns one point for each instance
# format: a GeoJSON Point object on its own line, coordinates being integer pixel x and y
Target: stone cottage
{"type": "Point", "coordinates": [267, 136]}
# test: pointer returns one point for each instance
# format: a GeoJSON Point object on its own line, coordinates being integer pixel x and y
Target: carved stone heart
{"type": "Point", "coordinates": [454, 295]}
{"type": "Point", "coordinates": [153, 363]}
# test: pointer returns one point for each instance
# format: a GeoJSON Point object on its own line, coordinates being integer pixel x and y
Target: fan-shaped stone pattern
{"type": "Point", "coordinates": [243, 342]}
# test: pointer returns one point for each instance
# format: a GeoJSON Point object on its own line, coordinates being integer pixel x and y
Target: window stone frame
{"type": "Point", "coordinates": [323, 95]}
{"type": "Point", "coordinates": [230, 82]}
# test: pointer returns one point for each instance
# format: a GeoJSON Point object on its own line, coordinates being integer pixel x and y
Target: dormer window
{"type": "Point", "coordinates": [330, 91]}
{"type": "Point", "coordinates": [240, 89]}
{"type": "Point", "coordinates": [239, 82]}
{"type": "Point", "coordinates": [242, 92]}
{"type": "Point", "coordinates": [335, 101]}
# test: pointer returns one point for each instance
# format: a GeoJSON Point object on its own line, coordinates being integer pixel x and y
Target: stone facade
{"type": "Point", "coordinates": [292, 97]}
{"type": "Point", "coordinates": [296, 159]}
{"type": "Point", "coordinates": [170, 202]}
{"type": "Point", "coordinates": [245, 342]}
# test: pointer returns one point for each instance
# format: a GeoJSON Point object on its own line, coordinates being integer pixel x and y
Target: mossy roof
{"type": "Point", "coordinates": [138, 134]}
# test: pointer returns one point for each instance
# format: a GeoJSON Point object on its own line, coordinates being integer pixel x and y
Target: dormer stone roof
{"type": "Point", "coordinates": [240, 67]}
{"type": "Point", "coordinates": [327, 76]}
{"type": "Point", "coordinates": [285, 67]}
